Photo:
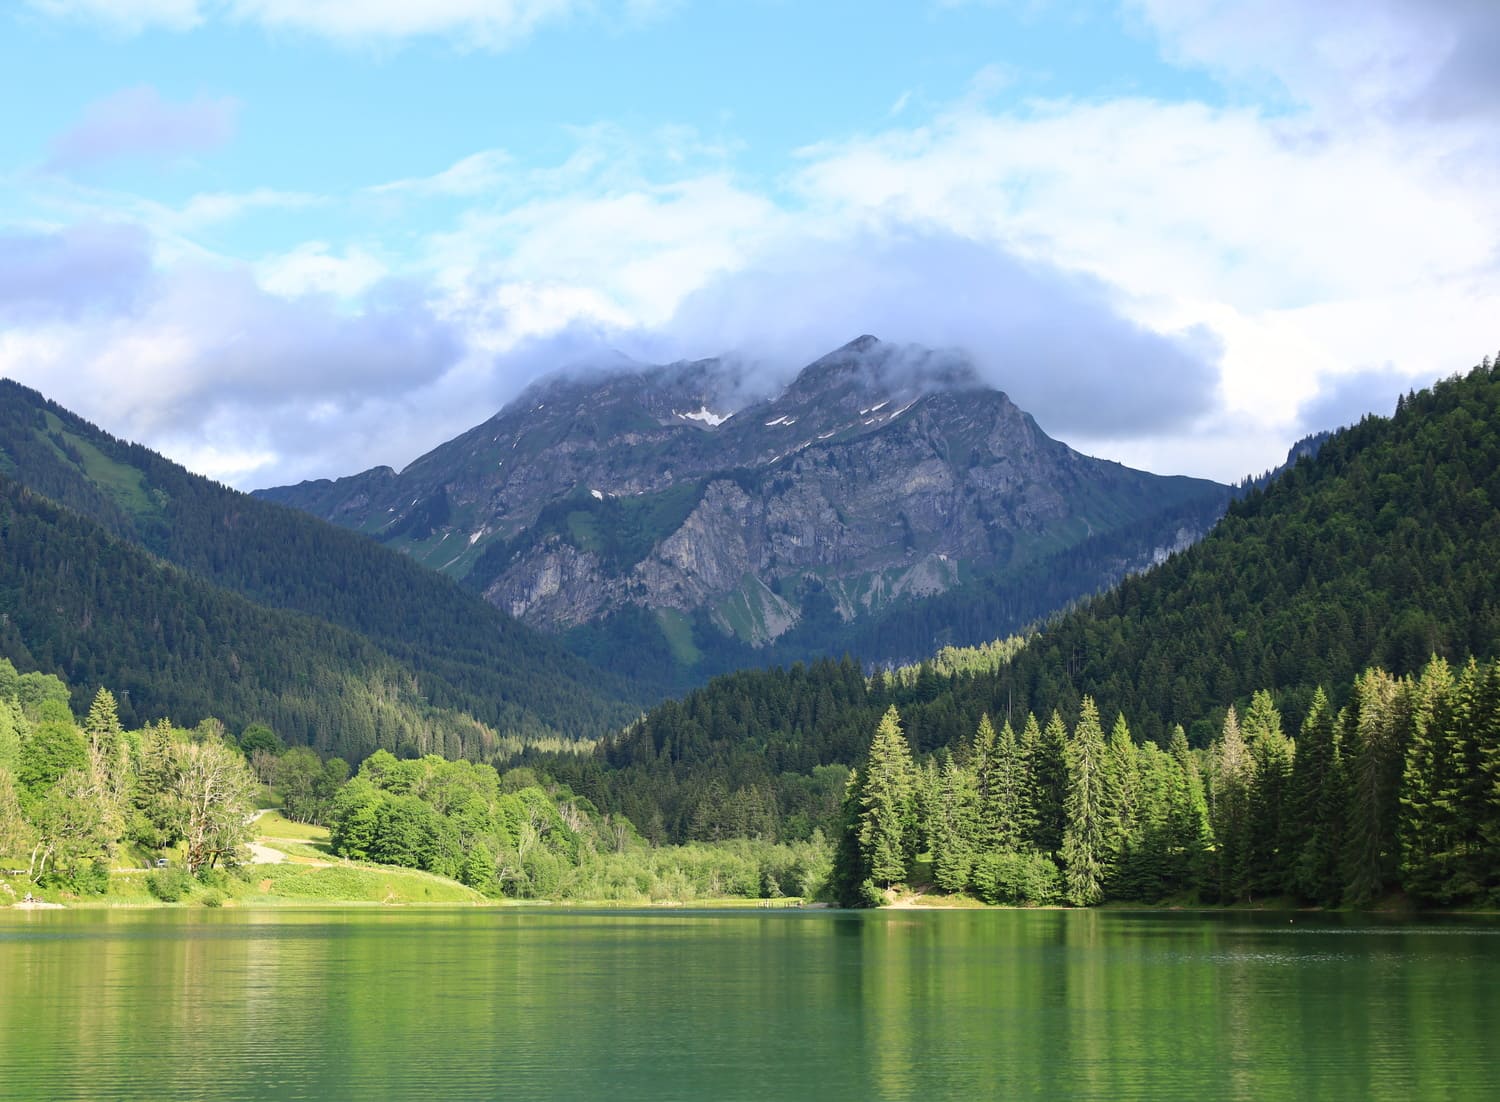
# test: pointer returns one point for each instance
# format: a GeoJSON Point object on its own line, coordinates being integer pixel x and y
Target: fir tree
{"type": "Point", "coordinates": [887, 811]}
{"type": "Point", "coordinates": [1233, 778]}
{"type": "Point", "coordinates": [957, 825]}
{"type": "Point", "coordinates": [1270, 845]}
{"type": "Point", "coordinates": [1047, 766]}
{"type": "Point", "coordinates": [1121, 794]}
{"type": "Point", "coordinates": [1372, 733]}
{"type": "Point", "coordinates": [1427, 827]}
{"type": "Point", "coordinates": [1083, 846]}
{"type": "Point", "coordinates": [1011, 817]}
{"type": "Point", "coordinates": [1188, 821]}
{"type": "Point", "coordinates": [1319, 802]}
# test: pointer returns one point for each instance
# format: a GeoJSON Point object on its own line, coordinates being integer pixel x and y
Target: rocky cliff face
{"type": "Point", "coordinates": [882, 474]}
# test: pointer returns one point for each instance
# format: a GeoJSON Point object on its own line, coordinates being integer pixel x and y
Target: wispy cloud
{"type": "Point", "coordinates": [138, 122]}
{"type": "Point", "coordinates": [1431, 59]}
{"type": "Point", "coordinates": [469, 24]}
{"type": "Point", "coordinates": [129, 16]}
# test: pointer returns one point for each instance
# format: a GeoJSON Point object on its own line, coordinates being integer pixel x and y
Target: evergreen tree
{"type": "Point", "coordinates": [887, 811]}
{"type": "Point", "coordinates": [1233, 778]}
{"type": "Point", "coordinates": [983, 762]}
{"type": "Point", "coordinates": [1047, 767]}
{"type": "Point", "coordinates": [1009, 819]}
{"type": "Point", "coordinates": [1270, 844]}
{"type": "Point", "coordinates": [1319, 803]}
{"type": "Point", "coordinates": [1084, 835]}
{"type": "Point", "coordinates": [1188, 821]}
{"type": "Point", "coordinates": [956, 829]}
{"type": "Point", "coordinates": [1121, 794]}
{"type": "Point", "coordinates": [1373, 731]}
{"type": "Point", "coordinates": [1427, 827]}
{"type": "Point", "coordinates": [109, 758]}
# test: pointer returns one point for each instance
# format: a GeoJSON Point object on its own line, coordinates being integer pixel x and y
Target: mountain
{"type": "Point", "coordinates": [81, 603]}
{"type": "Point", "coordinates": [459, 653]}
{"type": "Point", "coordinates": [653, 512]}
{"type": "Point", "coordinates": [1379, 550]}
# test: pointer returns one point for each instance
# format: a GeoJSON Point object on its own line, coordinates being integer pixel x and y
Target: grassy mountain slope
{"type": "Point", "coordinates": [465, 655]}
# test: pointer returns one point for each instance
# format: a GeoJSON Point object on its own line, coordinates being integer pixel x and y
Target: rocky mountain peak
{"type": "Point", "coordinates": [882, 475]}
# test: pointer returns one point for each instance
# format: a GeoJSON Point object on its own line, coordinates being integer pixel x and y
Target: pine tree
{"type": "Point", "coordinates": [109, 759]}
{"type": "Point", "coordinates": [1427, 828]}
{"type": "Point", "coordinates": [1047, 767]}
{"type": "Point", "coordinates": [1011, 817]}
{"type": "Point", "coordinates": [956, 827]}
{"type": "Point", "coordinates": [1270, 845]}
{"type": "Point", "coordinates": [1319, 802]}
{"type": "Point", "coordinates": [1234, 776]}
{"type": "Point", "coordinates": [1371, 735]}
{"type": "Point", "coordinates": [982, 761]}
{"type": "Point", "coordinates": [1121, 794]}
{"type": "Point", "coordinates": [887, 809]}
{"type": "Point", "coordinates": [1469, 874]}
{"type": "Point", "coordinates": [1083, 846]}
{"type": "Point", "coordinates": [1188, 820]}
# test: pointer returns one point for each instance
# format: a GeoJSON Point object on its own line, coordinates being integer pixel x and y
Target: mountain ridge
{"type": "Point", "coordinates": [880, 476]}
{"type": "Point", "coordinates": [465, 655]}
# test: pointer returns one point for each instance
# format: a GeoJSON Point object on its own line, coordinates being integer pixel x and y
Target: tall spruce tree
{"type": "Point", "coordinates": [1233, 779]}
{"type": "Point", "coordinates": [981, 755]}
{"type": "Point", "coordinates": [1271, 752]}
{"type": "Point", "coordinates": [1319, 805]}
{"type": "Point", "coordinates": [1374, 733]}
{"type": "Point", "coordinates": [1427, 826]}
{"type": "Point", "coordinates": [1121, 794]}
{"type": "Point", "coordinates": [1047, 766]}
{"type": "Point", "coordinates": [1189, 825]}
{"type": "Point", "coordinates": [1084, 833]}
{"type": "Point", "coordinates": [955, 832]}
{"type": "Point", "coordinates": [1010, 814]}
{"type": "Point", "coordinates": [887, 806]}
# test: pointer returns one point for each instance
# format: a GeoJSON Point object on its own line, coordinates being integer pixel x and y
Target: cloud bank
{"type": "Point", "coordinates": [1186, 286]}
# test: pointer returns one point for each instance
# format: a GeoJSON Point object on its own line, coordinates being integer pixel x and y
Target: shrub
{"type": "Point", "coordinates": [1017, 879]}
{"type": "Point", "coordinates": [213, 898]}
{"type": "Point", "coordinates": [213, 877]}
{"type": "Point", "coordinates": [169, 885]}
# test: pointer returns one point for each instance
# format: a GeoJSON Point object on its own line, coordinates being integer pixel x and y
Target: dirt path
{"type": "Point", "coordinates": [912, 902]}
{"type": "Point", "coordinates": [264, 855]}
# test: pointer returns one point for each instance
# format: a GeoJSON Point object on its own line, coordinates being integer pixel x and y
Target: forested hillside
{"type": "Point", "coordinates": [1379, 551]}
{"type": "Point", "coordinates": [1397, 790]}
{"type": "Point", "coordinates": [466, 655]}
{"type": "Point", "coordinates": [1382, 550]}
{"type": "Point", "coordinates": [95, 610]}
{"type": "Point", "coordinates": [81, 798]}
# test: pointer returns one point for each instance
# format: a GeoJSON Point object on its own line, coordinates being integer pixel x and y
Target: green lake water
{"type": "Point", "coordinates": [506, 1004]}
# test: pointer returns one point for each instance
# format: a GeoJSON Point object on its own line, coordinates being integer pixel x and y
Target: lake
{"type": "Point", "coordinates": [489, 1004]}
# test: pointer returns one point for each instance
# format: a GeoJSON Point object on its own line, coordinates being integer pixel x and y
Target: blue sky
{"type": "Point", "coordinates": [292, 238]}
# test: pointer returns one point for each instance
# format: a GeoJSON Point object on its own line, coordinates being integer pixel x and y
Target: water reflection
{"type": "Point", "coordinates": [897, 1005]}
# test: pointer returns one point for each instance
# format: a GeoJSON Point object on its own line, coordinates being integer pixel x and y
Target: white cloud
{"type": "Point", "coordinates": [477, 174]}
{"type": "Point", "coordinates": [1346, 58]}
{"type": "Point", "coordinates": [129, 16]}
{"type": "Point", "coordinates": [1100, 257]}
{"type": "Point", "coordinates": [314, 268]}
{"type": "Point", "coordinates": [477, 24]}
{"type": "Point", "coordinates": [137, 122]}
{"type": "Point", "coordinates": [482, 23]}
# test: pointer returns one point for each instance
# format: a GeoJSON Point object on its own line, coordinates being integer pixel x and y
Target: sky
{"type": "Point", "coordinates": [288, 239]}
